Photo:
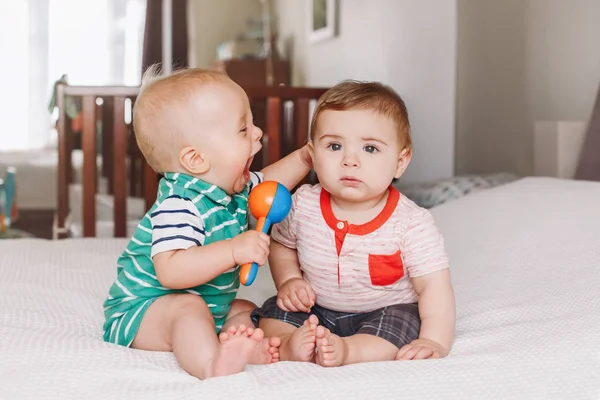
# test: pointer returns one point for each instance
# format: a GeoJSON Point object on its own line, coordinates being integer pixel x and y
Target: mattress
{"type": "Point", "coordinates": [525, 271]}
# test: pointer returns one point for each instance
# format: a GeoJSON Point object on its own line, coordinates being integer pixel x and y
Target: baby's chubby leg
{"type": "Point", "coordinates": [239, 314]}
{"type": "Point", "coordinates": [183, 324]}
{"type": "Point", "coordinates": [377, 336]}
{"type": "Point", "coordinates": [334, 351]}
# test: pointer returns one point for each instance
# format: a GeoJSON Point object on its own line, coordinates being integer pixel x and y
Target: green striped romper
{"type": "Point", "coordinates": [188, 212]}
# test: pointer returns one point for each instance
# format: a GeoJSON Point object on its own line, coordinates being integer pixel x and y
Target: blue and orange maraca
{"type": "Point", "coordinates": [269, 202]}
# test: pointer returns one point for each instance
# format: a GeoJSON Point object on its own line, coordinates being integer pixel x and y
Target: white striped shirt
{"type": "Point", "coordinates": [176, 224]}
{"type": "Point", "coordinates": [361, 268]}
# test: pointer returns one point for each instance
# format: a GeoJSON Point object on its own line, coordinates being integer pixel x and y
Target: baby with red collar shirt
{"type": "Point", "coordinates": [361, 271]}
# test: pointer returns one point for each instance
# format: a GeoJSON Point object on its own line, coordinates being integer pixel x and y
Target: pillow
{"type": "Point", "coordinates": [431, 194]}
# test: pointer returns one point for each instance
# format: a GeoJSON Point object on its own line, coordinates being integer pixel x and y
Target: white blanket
{"type": "Point", "coordinates": [525, 267]}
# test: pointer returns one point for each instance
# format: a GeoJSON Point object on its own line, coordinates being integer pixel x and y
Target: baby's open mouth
{"type": "Point", "coordinates": [247, 168]}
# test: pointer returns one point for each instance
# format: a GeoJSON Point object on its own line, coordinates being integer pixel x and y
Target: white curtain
{"type": "Point", "coordinates": [23, 67]}
{"type": "Point", "coordinates": [93, 42]}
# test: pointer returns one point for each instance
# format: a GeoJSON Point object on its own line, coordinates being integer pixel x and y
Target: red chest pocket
{"type": "Point", "coordinates": [385, 269]}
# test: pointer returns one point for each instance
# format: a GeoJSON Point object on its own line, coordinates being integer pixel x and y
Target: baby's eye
{"type": "Point", "coordinates": [244, 130]}
{"type": "Point", "coordinates": [335, 146]}
{"type": "Point", "coordinates": [371, 149]}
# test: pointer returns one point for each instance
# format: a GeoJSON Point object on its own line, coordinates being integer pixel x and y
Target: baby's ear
{"type": "Point", "coordinates": [193, 161]}
{"type": "Point", "coordinates": [311, 150]}
{"type": "Point", "coordinates": [403, 161]}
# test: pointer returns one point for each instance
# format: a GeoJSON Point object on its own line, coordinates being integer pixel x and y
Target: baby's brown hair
{"type": "Point", "coordinates": [359, 95]}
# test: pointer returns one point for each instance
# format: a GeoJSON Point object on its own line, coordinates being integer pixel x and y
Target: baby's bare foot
{"type": "Point", "coordinates": [332, 350]}
{"type": "Point", "coordinates": [241, 346]}
{"type": "Point", "coordinates": [300, 346]}
{"type": "Point", "coordinates": [272, 345]}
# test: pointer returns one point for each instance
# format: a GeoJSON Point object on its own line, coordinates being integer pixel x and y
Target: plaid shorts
{"type": "Point", "coordinates": [398, 324]}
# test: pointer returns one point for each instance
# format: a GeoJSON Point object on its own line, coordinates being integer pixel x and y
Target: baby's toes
{"type": "Point", "coordinates": [231, 330]}
{"type": "Point", "coordinates": [223, 337]}
{"type": "Point", "coordinates": [241, 329]}
{"type": "Point", "coordinates": [257, 334]}
{"type": "Point", "coordinates": [312, 321]}
{"type": "Point", "coordinates": [322, 335]}
{"type": "Point", "coordinates": [274, 342]}
{"type": "Point", "coordinates": [275, 356]}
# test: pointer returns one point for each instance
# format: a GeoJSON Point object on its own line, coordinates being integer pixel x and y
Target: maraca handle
{"type": "Point", "coordinates": [249, 271]}
{"type": "Point", "coordinates": [263, 224]}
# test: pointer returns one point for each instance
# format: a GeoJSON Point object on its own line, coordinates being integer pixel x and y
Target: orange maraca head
{"type": "Point", "coordinates": [271, 200]}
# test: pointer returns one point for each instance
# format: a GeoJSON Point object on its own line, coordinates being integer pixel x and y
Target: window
{"type": "Point", "coordinates": [93, 42]}
{"type": "Point", "coordinates": [96, 42]}
{"type": "Point", "coordinates": [15, 42]}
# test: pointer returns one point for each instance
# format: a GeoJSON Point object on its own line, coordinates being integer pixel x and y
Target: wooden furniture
{"type": "Point", "coordinates": [37, 223]}
{"type": "Point", "coordinates": [256, 72]}
{"type": "Point", "coordinates": [253, 71]}
{"type": "Point", "coordinates": [286, 118]}
{"type": "Point", "coordinates": [286, 128]}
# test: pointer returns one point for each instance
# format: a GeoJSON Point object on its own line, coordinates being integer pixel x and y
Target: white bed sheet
{"type": "Point", "coordinates": [525, 267]}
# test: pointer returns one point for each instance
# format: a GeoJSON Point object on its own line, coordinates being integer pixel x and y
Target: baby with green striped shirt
{"type": "Point", "coordinates": [178, 277]}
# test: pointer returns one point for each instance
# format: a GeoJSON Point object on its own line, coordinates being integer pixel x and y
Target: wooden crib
{"type": "Point", "coordinates": [282, 111]}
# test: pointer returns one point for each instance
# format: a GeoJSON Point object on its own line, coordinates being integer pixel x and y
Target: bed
{"type": "Point", "coordinates": [524, 258]}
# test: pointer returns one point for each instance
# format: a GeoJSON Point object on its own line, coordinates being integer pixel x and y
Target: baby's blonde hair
{"type": "Point", "coordinates": [158, 133]}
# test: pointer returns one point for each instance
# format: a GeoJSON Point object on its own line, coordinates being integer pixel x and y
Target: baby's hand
{"type": "Point", "coordinates": [250, 246]}
{"type": "Point", "coordinates": [420, 349]}
{"type": "Point", "coordinates": [296, 295]}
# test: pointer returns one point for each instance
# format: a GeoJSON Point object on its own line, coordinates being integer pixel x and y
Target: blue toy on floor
{"type": "Point", "coordinates": [8, 207]}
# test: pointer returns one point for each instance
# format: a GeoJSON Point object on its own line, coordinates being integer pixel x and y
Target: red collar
{"type": "Point", "coordinates": [366, 228]}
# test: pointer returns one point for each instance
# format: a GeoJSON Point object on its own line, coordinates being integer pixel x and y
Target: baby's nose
{"type": "Point", "coordinates": [350, 160]}
{"type": "Point", "coordinates": [258, 133]}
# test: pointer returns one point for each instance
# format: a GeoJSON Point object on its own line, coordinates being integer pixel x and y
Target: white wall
{"type": "Point", "coordinates": [520, 61]}
{"type": "Point", "coordinates": [407, 44]}
{"type": "Point", "coordinates": [215, 21]}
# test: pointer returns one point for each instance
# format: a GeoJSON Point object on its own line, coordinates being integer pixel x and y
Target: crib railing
{"type": "Point", "coordinates": [283, 113]}
{"type": "Point", "coordinates": [102, 106]}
